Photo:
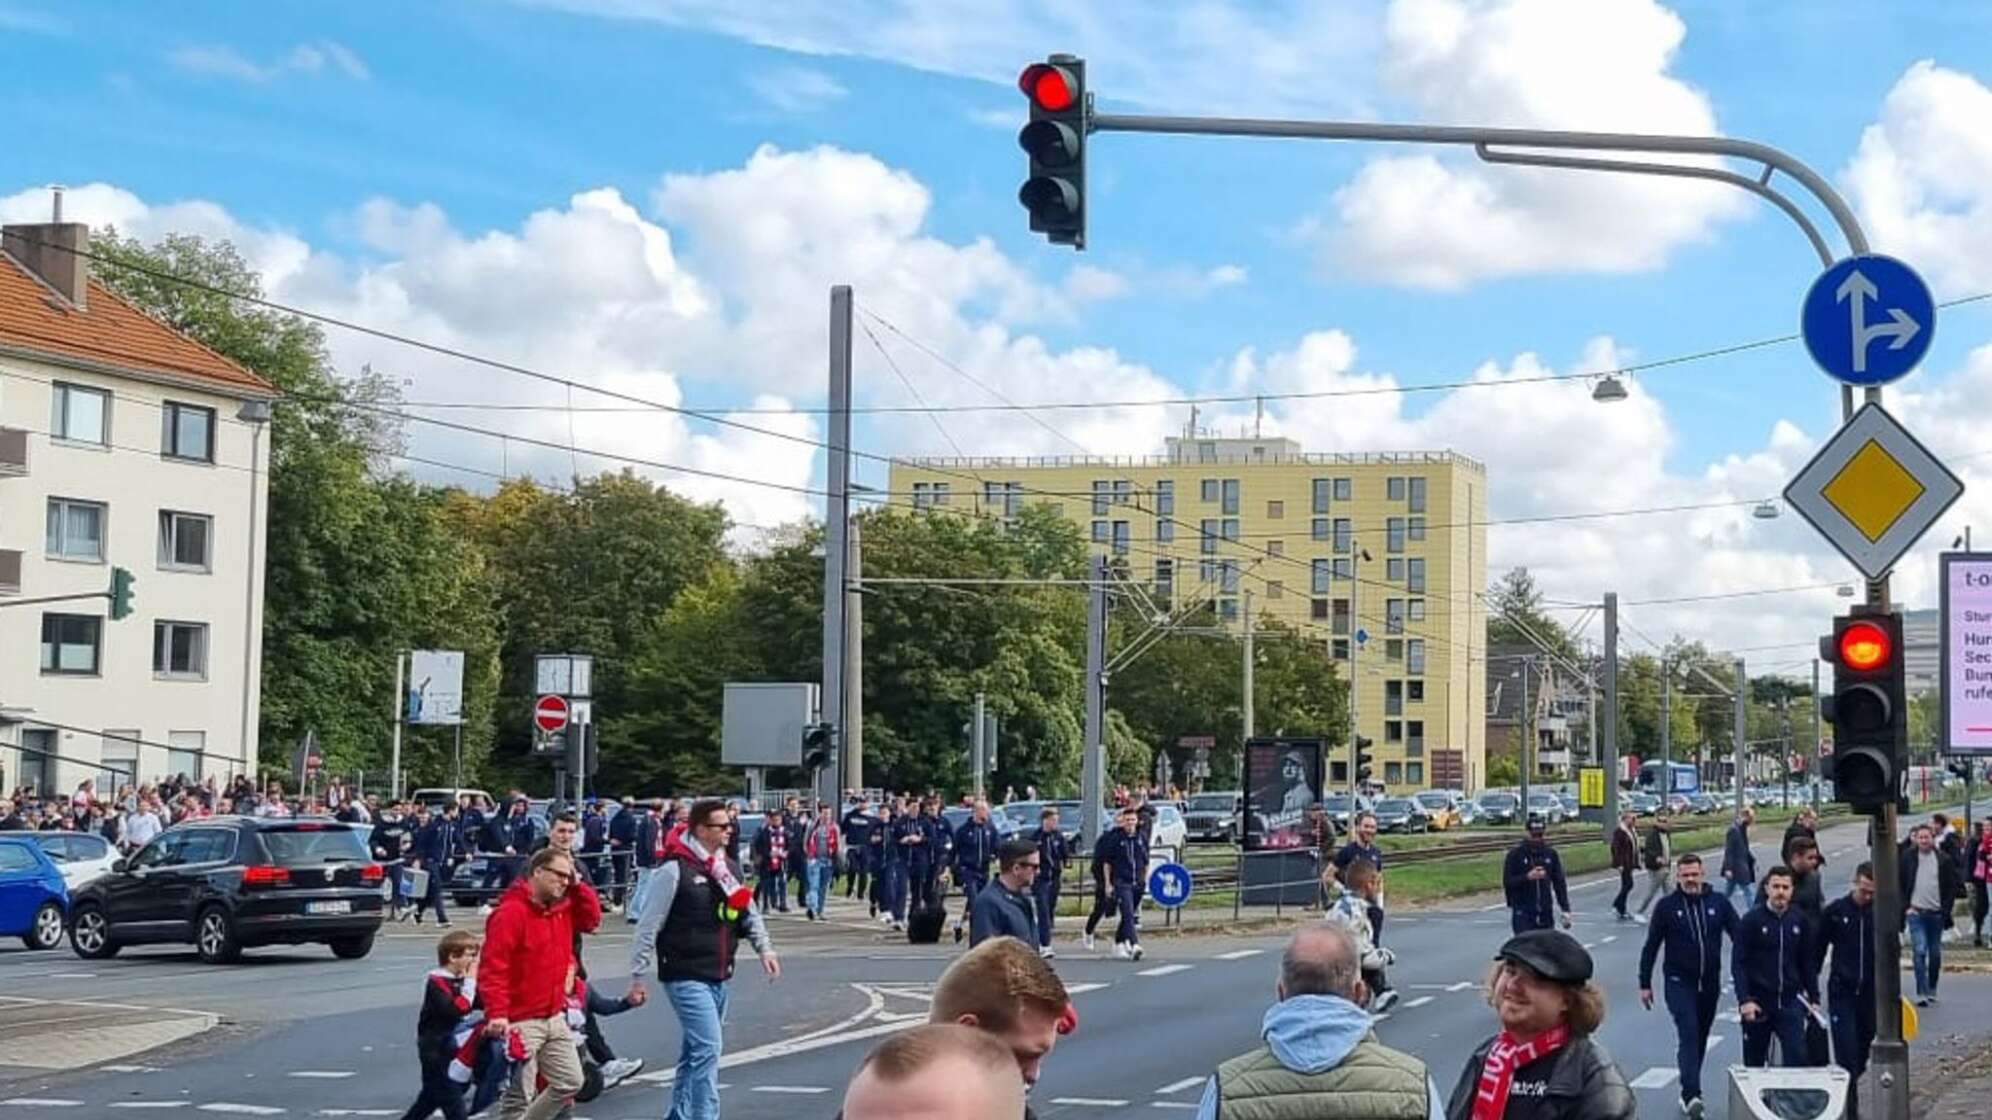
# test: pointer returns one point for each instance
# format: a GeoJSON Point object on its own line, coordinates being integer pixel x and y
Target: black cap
{"type": "Point", "coordinates": [1552, 954]}
{"type": "Point", "coordinates": [1537, 824]}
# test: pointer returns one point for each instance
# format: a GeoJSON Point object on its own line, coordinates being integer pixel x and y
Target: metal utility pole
{"type": "Point", "coordinates": [836, 527]}
{"type": "Point", "coordinates": [1742, 732]}
{"type": "Point", "coordinates": [1249, 698]}
{"type": "Point", "coordinates": [977, 748]}
{"type": "Point", "coordinates": [1611, 671]}
{"type": "Point", "coordinates": [1815, 730]}
{"type": "Point", "coordinates": [1093, 762]}
{"type": "Point", "coordinates": [1666, 730]}
{"type": "Point", "coordinates": [394, 761]}
{"type": "Point", "coordinates": [852, 756]}
{"type": "Point", "coordinates": [1784, 710]}
{"type": "Point", "coordinates": [1355, 678]}
{"type": "Point", "coordinates": [1527, 719]}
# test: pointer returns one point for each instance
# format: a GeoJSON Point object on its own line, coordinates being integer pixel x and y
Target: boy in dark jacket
{"type": "Point", "coordinates": [448, 997]}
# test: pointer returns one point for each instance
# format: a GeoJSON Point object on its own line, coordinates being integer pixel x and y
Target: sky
{"type": "Point", "coordinates": [654, 197]}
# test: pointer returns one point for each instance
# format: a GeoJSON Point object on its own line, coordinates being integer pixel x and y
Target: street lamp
{"type": "Point", "coordinates": [1765, 510]}
{"type": "Point", "coordinates": [1609, 389]}
{"type": "Point", "coordinates": [257, 413]}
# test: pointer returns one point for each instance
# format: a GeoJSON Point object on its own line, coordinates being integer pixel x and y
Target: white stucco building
{"type": "Point", "coordinates": [123, 444]}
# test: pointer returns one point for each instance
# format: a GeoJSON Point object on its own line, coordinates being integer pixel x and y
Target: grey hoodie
{"type": "Point", "coordinates": [1312, 1034]}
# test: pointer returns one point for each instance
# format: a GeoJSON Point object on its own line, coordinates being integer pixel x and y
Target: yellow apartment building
{"type": "Point", "coordinates": [1380, 554]}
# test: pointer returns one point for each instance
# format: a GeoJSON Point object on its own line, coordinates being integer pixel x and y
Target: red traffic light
{"type": "Point", "coordinates": [1052, 88]}
{"type": "Point", "coordinates": [1865, 646]}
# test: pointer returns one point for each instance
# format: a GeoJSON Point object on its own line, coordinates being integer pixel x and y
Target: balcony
{"type": "Point", "coordinates": [13, 452]}
{"type": "Point", "coordinates": [10, 571]}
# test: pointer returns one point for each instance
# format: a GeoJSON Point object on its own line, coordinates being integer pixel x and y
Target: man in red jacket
{"type": "Point", "coordinates": [528, 949]}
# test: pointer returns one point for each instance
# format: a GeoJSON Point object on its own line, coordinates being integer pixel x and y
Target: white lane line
{"type": "Point", "coordinates": [799, 1090]}
{"type": "Point", "coordinates": [1658, 1077]}
{"type": "Point", "coordinates": [150, 1104]}
{"type": "Point", "coordinates": [1379, 1018]}
{"type": "Point", "coordinates": [242, 1109]}
{"type": "Point", "coordinates": [130, 1069]}
{"type": "Point", "coordinates": [1461, 986]}
{"type": "Point", "coordinates": [1496, 906]}
{"type": "Point", "coordinates": [1241, 954]}
{"type": "Point", "coordinates": [321, 1074]}
{"type": "Point", "coordinates": [1077, 989]}
{"type": "Point", "coordinates": [1419, 1002]}
{"type": "Point", "coordinates": [72, 976]}
{"type": "Point", "coordinates": [1730, 1017]}
{"type": "Point", "coordinates": [1590, 945]}
{"type": "Point", "coordinates": [1179, 1086]}
{"type": "Point", "coordinates": [1159, 970]}
{"type": "Point", "coordinates": [1608, 939]}
{"type": "Point", "coordinates": [42, 1102]}
{"type": "Point", "coordinates": [1174, 1104]}
{"type": "Point", "coordinates": [1090, 1102]}
{"type": "Point", "coordinates": [1714, 1041]}
{"type": "Point", "coordinates": [358, 1112]}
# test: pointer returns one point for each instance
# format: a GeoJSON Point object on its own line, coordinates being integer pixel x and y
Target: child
{"type": "Point", "coordinates": [448, 998]}
{"type": "Point", "coordinates": [1351, 911]}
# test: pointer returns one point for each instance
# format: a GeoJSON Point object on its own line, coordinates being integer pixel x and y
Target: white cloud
{"type": "Point", "coordinates": [796, 89]}
{"type": "Point", "coordinates": [1445, 222]}
{"type": "Point", "coordinates": [323, 57]}
{"type": "Point", "coordinates": [1922, 177]}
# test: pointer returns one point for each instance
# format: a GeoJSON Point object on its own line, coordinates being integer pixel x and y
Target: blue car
{"type": "Point", "coordinates": [34, 904]}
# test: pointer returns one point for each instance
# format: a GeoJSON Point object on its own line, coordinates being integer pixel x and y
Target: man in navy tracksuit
{"type": "Point", "coordinates": [1846, 932]}
{"type": "Point", "coordinates": [916, 850]}
{"type": "Point", "coordinates": [1775, 974]}
{"type": "Point", "coordinates": [595, 845]}
{"type": "Point", "coordinates": [858, 824]}
{"type": "Point", "coordinates": [888, 869]}
{"type": "Point", "coordinates": [622, 846]}
{"type": "Point", "coordinates": [1691, 924]}
{"type": "Point", "coordinates": [1054, 852]}
{"type": "Point", "coordinates": [1124, 856]}
{"type": "Point", "coordinates": [974, 847]}
{"type": "Point", "coordinates": [1533, 878]}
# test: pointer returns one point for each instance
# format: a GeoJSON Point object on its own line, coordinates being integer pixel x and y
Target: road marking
{"type": "Point", "coordinates": [1461, 986]}
{"type": "Point", "coordinates": [1419, 1002]}
{"type": "Point", "coordinates": [1160, 970]}
{"type": "Point", "coordinates": [129, 1069]}
{"type": "Point", "coordinates": [42, 1102]}
{"type": "Point", "coordinates": [1173, 1104]}
{"type": "Point", "coordinates": [1179, 1086]}
{"type": "Point", "coordinates": [1714, 1041]}
{"type": "Point", "coordinates": [72, 976]}
{"type": "Point", "coordinates": [1730, 1017]}
{"type": "Point", "coordinates": [358, 1112]}
{"type": "Point", "coordinates": [802, 1090]}
{"type": "Point", "coordinates": [1659, 1077]}
{"type": "Point", "coordinates": [150, 1104]}
{"type": "Point", "coordinates": [1090, 1102]}
{"type": "Point", "coordinates": [1608, 939]}
{"type": "Point", "coordinates": [321, 1074]}
{"type": "Point", "coordinates": [1496, 906]}
{"type": "Point", "coordinates": [1379, 1018]}
{"type": "Point", "coordinates": [1077, 989]}
{"type": "Point", "coordinates": [1590, 945]}
{"type": "Point", "coordinates": [242, 1109]}
{"type": "Point", "coordinates": [1241, 954]}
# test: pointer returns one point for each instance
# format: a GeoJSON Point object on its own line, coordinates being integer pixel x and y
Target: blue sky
{"type": "Point", "coordinates": [1211, 261]}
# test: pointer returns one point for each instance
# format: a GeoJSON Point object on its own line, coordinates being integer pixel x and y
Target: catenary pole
{"type": "Point", "coordinates": [1248, 698]}
{"type": "Point", "coordinates": [1093, 761]}
{"type": "Point", "coordinates": [836, 526]}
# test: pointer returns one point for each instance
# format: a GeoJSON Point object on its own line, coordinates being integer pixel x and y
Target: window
{"type": "Point", "coordinates": [208, 845]}
{"type": "Point", "coordinates": [1320, 530]}
{"type": "Point", "coordinates": [1415, 608]}
{"type": "Point", "coordinates": [1165, 529]}
{"type": "Point", "coordinates": [186, 432]}
{"type": "Point", "coordinates": [1393, 616]}
{"type": "Point", "coordinates": [1231, 528]}
{"type": "Point", "coordinates": [76, 529]}
{"type": "Point", "coordinates": [1414, 692]}
{"type": "Point", "coordinates": [179, 649]}
{"type": "Point", "coordinates": [1207, 571]}
{"type": "Point", "coordinates": [1099, 532]}
{"type": "Point", "coordinates": [1210, 490]}
{"type": "Point", "coordinates": [1393, 731]}
{"type": "Point", "coordinates": [1121, 537]}
{"type": "Point", "coordinates": [1227, 609]}
{"type": "Point", "coordinates": [1414, 772]}
{"type": "Point", "coordinates": [1206, 453]}
{"type": "Point", "coordinates": [1123, 491]}
{"type": "Point", "coordinates": [1008, 495]}
{"type": "Point", "coordinates": [1320, 574]}
{"type": "Point", "coordinates": [1210, 527]}
{"type": "Point", "coordinates": [1393, 569]}
{"type": "Point", "coordinates": [1165, 497]}
{"type": "Point", "coordinates": [1341, 625]}
{"type": "Point", "coordinates": [1321, 495]}
{"type": "Point", "coordinates": [1393, 488]}
{"type": "Point", "coordinates": [81, 415]}
{"type": "Point", "coordinates": [1414, 738]}
{"type": "Point", "coordinates": [1416, 502]}
{"type": "Point", "coordinates": [1345, 534]}
{"type": "Point", "coordinates": [1345, 489]}
{"type": "Point", "coordinates": [15, 857]}
{"type": "Point", "coordinates": [1416, 528]}
{"type": "Point", "coordinates": [926, 495]}
{"type": "Point", "coordinates": [1393, 773]}
{"type": "Point", "coordinates": [1165, 575]}
{"type": "Point", "coordinates": [1414, 659]}
{"type": "Point", "coordinates": [1393, 698]}
{"type": "Point", "coordinates": [1393, 534]}
{"type": "Point", "coordinates": [1317, 608]}
{"type": "Point", "coordinates": [1275, 589]}
{"type": "Point", "coordinates": [1393, 649]}
{"type": "Point", "coordinates": [119, 755]}
{"type": "Point", "coordinates": [184, 540]}
{"type": "Point", "coordinates": [1414, 578]}
{"type": "Point", "coordinates": [1345, 568]}
{"type": "Point", "coordinates": [1101, 496]}
{"type": "Point", "coordinates": [1231, 496]}
{"type": "Point", "coordinates": [183, 756]}
{"type": "Point", "coordinates": [1339, 650]}
{"type": "Point", "coordinates": [71, 643]}
{"type": "Point", "coordinates": [1227, 573]}
{"type": "Point", "coordinates": [1276, 548]}
{"type": "Point", "coordinates": [1275, 510]}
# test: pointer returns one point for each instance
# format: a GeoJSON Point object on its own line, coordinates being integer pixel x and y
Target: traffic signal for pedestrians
{"type": "Point", "coordinates": [1363, 757]}
{"type": "Point", "coordinates": [819, 743]}
{"type": "Point", "coordinates": [1868, 708]}
{"type": "Point", "coordinates": [121, 585]}
{"type": "Point", "coordinates": [1055, 141]}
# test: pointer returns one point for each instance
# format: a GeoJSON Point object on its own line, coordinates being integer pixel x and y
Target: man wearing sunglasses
{"type": "Point", "coordinates": [1005, 907]}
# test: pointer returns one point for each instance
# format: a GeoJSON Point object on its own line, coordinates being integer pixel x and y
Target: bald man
{"type": "Point", "coordinates": [941, 1071]}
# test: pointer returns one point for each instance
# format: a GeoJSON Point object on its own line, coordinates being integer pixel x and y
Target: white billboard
{"type": "Point", "coordinates": [1966, 618]}
{"type": "Point", "coordinates": [435, 686]}
{"type": "Point", "coordinates": [762, 724]}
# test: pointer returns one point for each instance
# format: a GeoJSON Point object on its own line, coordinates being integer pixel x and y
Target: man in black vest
{"type": "Point", "coordinates": [695, 913]}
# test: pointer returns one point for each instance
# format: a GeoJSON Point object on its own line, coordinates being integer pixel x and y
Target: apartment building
{"type": "Point", "coordinates": [1377, 555]}
{"type": "Point", "coordinates": [123, 444]}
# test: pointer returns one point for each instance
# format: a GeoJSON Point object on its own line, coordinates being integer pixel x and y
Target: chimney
{"type": "Point", "coordinates": [54, 252]}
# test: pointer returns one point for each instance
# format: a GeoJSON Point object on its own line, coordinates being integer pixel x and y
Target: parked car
{"type": "Point", "coordinates": [1401, 814]}
{"type": "Point", "coordinates": [1701, 803]}
{"type": "Point", "coordinates": [1216, 816]}
{"type": "Point", "coordinates": [435, 797]}
{"type": "Point", "coordinates": [1545, 806]}
{"type": "Point", "coordinates": [1440, 808]}
{"type": "Point", "coordinates": [80, 856]}
{"type": "Point", "coordinates": [34, 903]}
{"type": "Point", "coordinates": [1571, 808]}
{"type": "Point", "coordinates": [226, 884]}
{"type": "Point", "coordinates": [1645, 804]}
{"type": "Point", "coordinates": [1028, 814]}
{"type": "Point", "coordinates": [1006, 825]}
{"type": "Point", "coordinates": [1339, 809]}
{"type": "Point", "coordinates": [1171, 829]}
{"type": "Point", "coordinates": [1497, 807]}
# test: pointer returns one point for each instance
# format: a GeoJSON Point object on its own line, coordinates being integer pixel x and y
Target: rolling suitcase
{"type": "Point", "coordinates": [923, 923]}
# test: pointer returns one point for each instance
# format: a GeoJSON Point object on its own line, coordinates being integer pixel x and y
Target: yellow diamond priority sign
{"type": "Point", "coordinates": [1873, 491]}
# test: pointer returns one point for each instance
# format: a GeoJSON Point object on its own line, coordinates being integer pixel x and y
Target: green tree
{"type": "Point", "coordinates": [1515, 616]}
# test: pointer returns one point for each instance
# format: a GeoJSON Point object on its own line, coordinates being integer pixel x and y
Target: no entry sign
{"type": "Point", "coordinates": [550, 713]}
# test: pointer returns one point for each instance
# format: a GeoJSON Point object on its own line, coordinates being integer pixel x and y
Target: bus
{"type": "Point", "coordinates": [1685, 778]}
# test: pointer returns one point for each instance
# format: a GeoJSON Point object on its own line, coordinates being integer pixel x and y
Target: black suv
{"type": "Point", "coordinates": [228, 883]}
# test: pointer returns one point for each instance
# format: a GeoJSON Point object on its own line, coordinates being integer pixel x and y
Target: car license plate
{"type": "Point", "coordinates": [336, 906]}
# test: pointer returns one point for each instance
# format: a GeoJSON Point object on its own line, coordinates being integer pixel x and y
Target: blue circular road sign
{"type": "Point", "coordinates": [1868, 319]}
{"type": "Point", "coordinates": [1169, 885]}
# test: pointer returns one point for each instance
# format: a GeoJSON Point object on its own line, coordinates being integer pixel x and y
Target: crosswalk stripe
{"type": "Point", "coordinates": [42, 1102]}
{"type": "Point", "coordinates": [1179, 1086]}
{"type": "Point", "coordinates": [1658, 1077]}
{"type": "Point", "coordinates": [801, 1090]}
{"type": "Point", "coordinates": [242, 1109]}
{"type": "Point", "coordinates": [150, 1104]}
{"type": "Point", "coordinates": [1590, 945]}
{"type": "Point", "coordinates": [1419, 1002]}
{"type": "Point", "coordinates": [1161, 970]}
{"type": "Point", "coordinates": [1461, 986]}
{"type": "Point", "coordinates": [1241, 954]}
{"type": "Point", "coordinates": [321, 1074]}
{"type": "Point", "coordinates": [1608, 939]}
{"type": "Point", "coordinates": [1079, 989]}
{"type": "Point", "coordinates": [1173, 1104]}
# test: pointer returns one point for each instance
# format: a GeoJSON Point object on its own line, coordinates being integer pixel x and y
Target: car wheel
{"type": "Point", "coordinates": [214, 937]}
{"type": "Point", "coordinates": [352, 948]}
{"type": "Point", "coordinates": [90, 934]}
{"type": "Point", "coordinates": [45, 932]}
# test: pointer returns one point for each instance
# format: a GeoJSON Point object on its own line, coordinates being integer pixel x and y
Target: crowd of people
{"type": "Point", "coordinates": [134, 813]}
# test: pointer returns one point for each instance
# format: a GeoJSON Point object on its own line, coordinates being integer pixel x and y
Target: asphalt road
{"type": "Point", "coordinates": [302, 1034]}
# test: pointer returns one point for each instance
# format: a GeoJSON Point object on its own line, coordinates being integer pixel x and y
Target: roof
{"type": "Point", "coordinates": [110, 333]}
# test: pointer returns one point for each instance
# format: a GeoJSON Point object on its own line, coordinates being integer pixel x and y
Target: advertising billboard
{"type": "Point", "coordinates": [1965, 650]}
{"type": "Point", "coordinates": [435, 686]}
{"type": "Point", "coordinates": [1282, 778]}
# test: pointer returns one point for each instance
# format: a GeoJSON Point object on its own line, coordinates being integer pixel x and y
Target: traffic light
{"type": "Point", "coordinates": [819, 743]}
{"type": "Point", "coordinates": [121, 585]}
{"type": "Point", "coordinates": [1055, 141]}
{"type": "Point", "coordinates": [1363, 757]}
{"type": "Point", "coordinates": [1868, 708]}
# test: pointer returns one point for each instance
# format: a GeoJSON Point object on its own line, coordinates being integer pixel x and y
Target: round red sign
{"type": "Point", "coordinates": [550, 713]}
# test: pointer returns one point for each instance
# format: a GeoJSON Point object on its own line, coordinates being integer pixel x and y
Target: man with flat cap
{"type": "Point", "coordinates": [1544, 1064]}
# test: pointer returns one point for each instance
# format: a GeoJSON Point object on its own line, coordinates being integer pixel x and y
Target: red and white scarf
{"type": "Point", "coordinates": [1504, 1057]}
{"type": "Point", "coordinates": [716, 865]}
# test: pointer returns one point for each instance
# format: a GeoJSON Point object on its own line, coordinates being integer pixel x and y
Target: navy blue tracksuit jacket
{"type": "Point", "coordinates": [1689, 928]}
{"type": "Point", "coordinates": [1533, 902]}
{"type": "Point", "coordinates": [1846, 933]}
{"type": "Point", "coordinates": [1773, 966]}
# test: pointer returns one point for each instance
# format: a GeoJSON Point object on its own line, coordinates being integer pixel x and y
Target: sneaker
{"type": "Point", "coordinates": [1385, 1000]}
{"type": "Point", "coordinates": [443, 925]}
{"type": "Point", "coordinates": [1134, 950]}
{"type": "Point", "coordinates": [1924, 1001]}
{"type": "Point", "coordinates": [1692, 1108]}
{"type": "Point", "coordinates": [899, 927]}
{"type": "Point", "coordinates": [1121, 951]}
{"type": "Point", "coordinates": [1086, 941]}
{"type": "Point", "coordinates": [618, 1071]}
{"type": "Point", "coordinates": [1640, 918]}
{"type": "Point", "coordinates": [484, 911]}
{"type": "Point", "coordinates": [1048, 953]}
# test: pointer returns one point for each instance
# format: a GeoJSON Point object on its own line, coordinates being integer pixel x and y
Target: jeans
{"type": "Point", "coordinates": [1693, 1009]}
{"type": "Point", "coordinates": [1045, 892]}
{"type": "Point", "coordinates": [774, 886]}
{"type": "Point", "coordinates": [920, 878]}
{"type": "Point", "coordinates": [619, 860]}
{"type": "Point", "coordinates": [550, 1053]}
{"type": "Point", "coordinates": [892, 890]}
{"type": "Point", "coordinates": [1742, 887]}
{"type": "Point", "coordinates": [972, 884]}
{"type": "Point", "coordinates": [701, 1009]}
{"type": "Point", "coordinates": [820, 872]}
{"type": "Point", "coordinates": [1625, 891]}
{"type": "Point", "coordinates": [434, 896]}
{"type": "Point", "coordinates": [1129, 903]}
{"type": "Point", "coordinates": [1659, 881]}
{"type": "Point", "coordinates": [857, 871]}
{"type": "Point", "coordinates": [1926, 938]}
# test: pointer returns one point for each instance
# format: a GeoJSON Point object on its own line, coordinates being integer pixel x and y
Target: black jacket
{"type": "Point", "coordinates": [1773, 962]}
{"type": "Point", "coordinates": [997, 912]}
{"type": "Point", "coordinates": [1949, 883]}
{"type": "Point", "coordinates": [1534, 895]}
{"type": "Point", "coordinates": [622, 828]}
{"type": "Point", "coordinates": [1739, 864]}
{"type": "Point", "coordinates": [1121, 857]}
{"type": "Point", "coordinates": [1691, 928]}
{"type": "Point", "coordinates": [1847, 932]}
{"type": "Point", "coordinates": [1578, 1082]}
{"type": "Point", "coordinates": [444, 1006]}
{"type": "Point", "coordinates": [1054, 852]}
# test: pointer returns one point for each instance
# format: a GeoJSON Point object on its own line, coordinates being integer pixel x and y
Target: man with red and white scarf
{"type": "Point", "coordinates": [695, 913]}
{"type": "Point", "coordinates": [1544, 1064]}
